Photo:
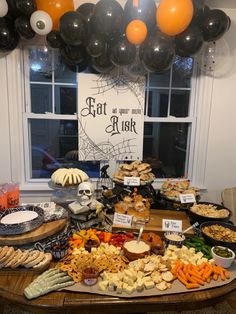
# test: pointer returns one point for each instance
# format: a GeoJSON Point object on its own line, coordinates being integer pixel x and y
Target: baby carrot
{"type": "Point", "coordinates": [190, 279]}
{"type": "Point", "coordinates": [199, 281]}
{"type": "Point", "coordinates": [195, 274]}
{"type": "Point", "coordinates": [215, 276]}
{"type": "Point", "coordinates": [222, 275]}
{"type": "Point", "coordinates": [192, 286]}
{"type": "Point", "coordinates": [227, 274]}
{"type": "Point", "coordinates": [182, 280]}
{"type": "Point", "coordinates": [181, 273]}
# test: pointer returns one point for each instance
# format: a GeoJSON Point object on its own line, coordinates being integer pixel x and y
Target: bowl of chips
{"type": "Point", "coordinates": [218, 233]}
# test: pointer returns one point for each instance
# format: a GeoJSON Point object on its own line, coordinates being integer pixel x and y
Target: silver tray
{"type": "Point", "coordinates": [20, 228]}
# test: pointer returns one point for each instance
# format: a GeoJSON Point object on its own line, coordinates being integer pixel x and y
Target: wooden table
{"type": "Point", "coordinates": [155, 222]}
{"type": "Point", "coordinates": [12, 284]}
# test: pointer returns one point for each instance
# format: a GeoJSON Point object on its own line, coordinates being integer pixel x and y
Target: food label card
{"type": "Point", "coordinates": [187, 198]}
{"type": "Point", "coordinates": [172, 225]}
{"type": "Point", "coordinates": [122, 220]}
{"type": "Point", "coordinates": [132, 181]}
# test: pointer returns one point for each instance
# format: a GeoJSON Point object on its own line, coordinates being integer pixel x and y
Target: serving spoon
{"type": "Point", "coordinates": [191, 227]}
{"type": "Point", "coordinates": [140, 233]}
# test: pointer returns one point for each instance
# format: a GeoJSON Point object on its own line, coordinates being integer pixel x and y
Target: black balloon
{"type": "Point", "coordinates": [102, 64]}
{"type": "Point", "coordinates": [72, 55]}
{"type": "Point", "coordinates": [13, 44]}
{"type": "Point", "coordinates": [145, 11]}
{"type": "Point", "coordinates": [8, 36]}
{"type": "Point", "coordinates": [108, 16]}
{"type": "Point", "coordinates": [96, 45]}
{"type": "Point", "coordinates": [26, 7]}
{"type": "Point", "coordinates": [198, 10]}
{"type": "Point", "coordinates": [54, 39]}
{"type": "Point", "coordinates": [23, 27]}
{"type": "Point", "coordinates": [73, 28]}
{"type": "Point", "coordinates": [12, 9]}
{"type": "Point", "coordinates": [86, 10]}
{"type": "Point", "coordinates": [214, 24]}
{"type": "Point", "coordinates": [189, 42]}
{"type": "Point", "coordinates": [157, 53]}
{"type": "Point", "coordinates": [122, 52]}
{"type": "Point", "coordinates": [80, 67]}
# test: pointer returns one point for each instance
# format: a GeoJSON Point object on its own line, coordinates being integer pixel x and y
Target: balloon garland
{"type": "Point", "coordinates": [104, 35]}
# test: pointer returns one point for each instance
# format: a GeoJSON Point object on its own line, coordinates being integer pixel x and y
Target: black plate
{"type": "Point", "coordinates": [169, 204]}
{"type": "Point", "coordinates": [19, 228]}
{"type": "Point", "coordinates": [211, 241]}
{"type": "Point", "coordinates": [195, 217]}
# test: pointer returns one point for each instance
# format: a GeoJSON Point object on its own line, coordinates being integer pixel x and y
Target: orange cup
{"type": "Point", "coordinates": [3, 200]}
{"type": "Point", "coordinates": [13, 195]}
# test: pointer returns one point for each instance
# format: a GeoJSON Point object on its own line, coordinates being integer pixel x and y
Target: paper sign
{"type": "Point", "coordinates": [187, 198]}
{"type": "Point", "coordinates": [171, 225]}
{"type": "Point", "coordinates": [132, 181]}
{"type": "Point", "coordinates": [123, 220]}
{"type": "Point", "coordinates": [110, 117]}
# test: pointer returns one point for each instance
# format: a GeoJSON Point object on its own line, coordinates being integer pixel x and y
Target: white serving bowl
{"type": "Point", "coordinates": [225, 262]}
{"type": "Point", "coordinates": [174, 238]}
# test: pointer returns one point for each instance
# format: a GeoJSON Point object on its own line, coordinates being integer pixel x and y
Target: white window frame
{"type": "Point", "coordinates": [201, 92]}
{"type": "Point", "coordinates": [190, 119]}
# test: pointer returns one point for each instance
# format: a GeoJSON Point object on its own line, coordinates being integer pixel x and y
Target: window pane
{"type": "Point", "coordinates": [62, 73]}
{"type": "Point", "coordinates": [159, 80]}
{"type": "Point", "coordinates": [179, 103]}
{"type": "Point", "coordinates": [54, 144]}
{"type": "Point", "coordinates": [182, 72]}
{"type": "Point", "coordinates": [158, 103]}
{"type": "Point", "coordinates": [166, 149]}
{"type": "Point", "coordinates": [65, 99]}
{"type": "Point", "coordinates": [40, 64]}
{"type": "Point", "coordinates": [41, 98]}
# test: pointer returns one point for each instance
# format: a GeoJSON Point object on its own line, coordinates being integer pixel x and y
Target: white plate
{"type": "Point", "coordinates": [19, 217]}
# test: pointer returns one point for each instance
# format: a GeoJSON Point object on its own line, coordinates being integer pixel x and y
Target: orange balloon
{"type": "Point", "coordinates": [55, 8]}
{"type": "Point", "coordinates": [136, 32]}
{"type": "Point", "coordinates": [174, 16]}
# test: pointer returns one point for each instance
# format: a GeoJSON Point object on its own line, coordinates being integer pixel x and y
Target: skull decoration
{"type": "Point", "coordinates": [85, 193]}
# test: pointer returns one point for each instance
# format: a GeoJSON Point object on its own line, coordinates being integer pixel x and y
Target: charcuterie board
{"type": "Point", "coordinates": [45, 230]}
{"type": "Point", "coordinates": [177, 287]}
{"type": "Point", "coordinates": [155, 222]}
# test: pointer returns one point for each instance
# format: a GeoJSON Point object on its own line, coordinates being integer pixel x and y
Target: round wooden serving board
{"type": "Point", "coordinates": [45, 230]}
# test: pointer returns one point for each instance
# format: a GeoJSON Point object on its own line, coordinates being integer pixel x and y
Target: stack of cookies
{"type": "Point", "coordinates": [11, 258]}
{"type": "Point", "coordinates": [135, 169]}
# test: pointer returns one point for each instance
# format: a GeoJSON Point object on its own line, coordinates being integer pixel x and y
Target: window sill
{"type": "Point", "coordinates": [43, 186]}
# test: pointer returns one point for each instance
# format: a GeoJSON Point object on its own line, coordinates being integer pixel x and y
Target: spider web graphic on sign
{"type": "Point", "coordinates": [104, 150]}
{"type": "Point", "coordinates": [121, 84]}
{"type": "Point", "coordinates": [110, 117]}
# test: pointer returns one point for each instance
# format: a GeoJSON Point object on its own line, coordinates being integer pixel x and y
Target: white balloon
{"type": "Point", "coordinates": [41, 22]}
{"type": "Point", "coordinates": [3, 8]}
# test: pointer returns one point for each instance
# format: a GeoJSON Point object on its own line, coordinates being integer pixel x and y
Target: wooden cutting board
{"type": "Point", "coordinates": [44, 231]}
{"type": "Point", "coordinates": [155, 222]}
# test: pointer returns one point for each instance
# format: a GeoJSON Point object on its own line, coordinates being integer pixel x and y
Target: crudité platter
{"type": "Point", "coordinates": [117, 264]}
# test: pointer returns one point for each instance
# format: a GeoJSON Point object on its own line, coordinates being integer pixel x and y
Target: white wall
{"type": "Point", "coordinates": [221, 155]}
{"type": "Point", "coordinates": [221, 152]}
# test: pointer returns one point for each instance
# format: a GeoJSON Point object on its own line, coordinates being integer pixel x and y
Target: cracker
{"type": "Point", "coordinates": [3, 252]}
{"type": "Point", "coordinates": [32, 256]}
{"type": "Point", "coordinates": [9, 251]}
{"type": "Point", "coordinates": [24, 256]}
{"type": "Point", "coordinates": [36, 261]}
{"type": "Point", "coordinates": [14, 258]}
